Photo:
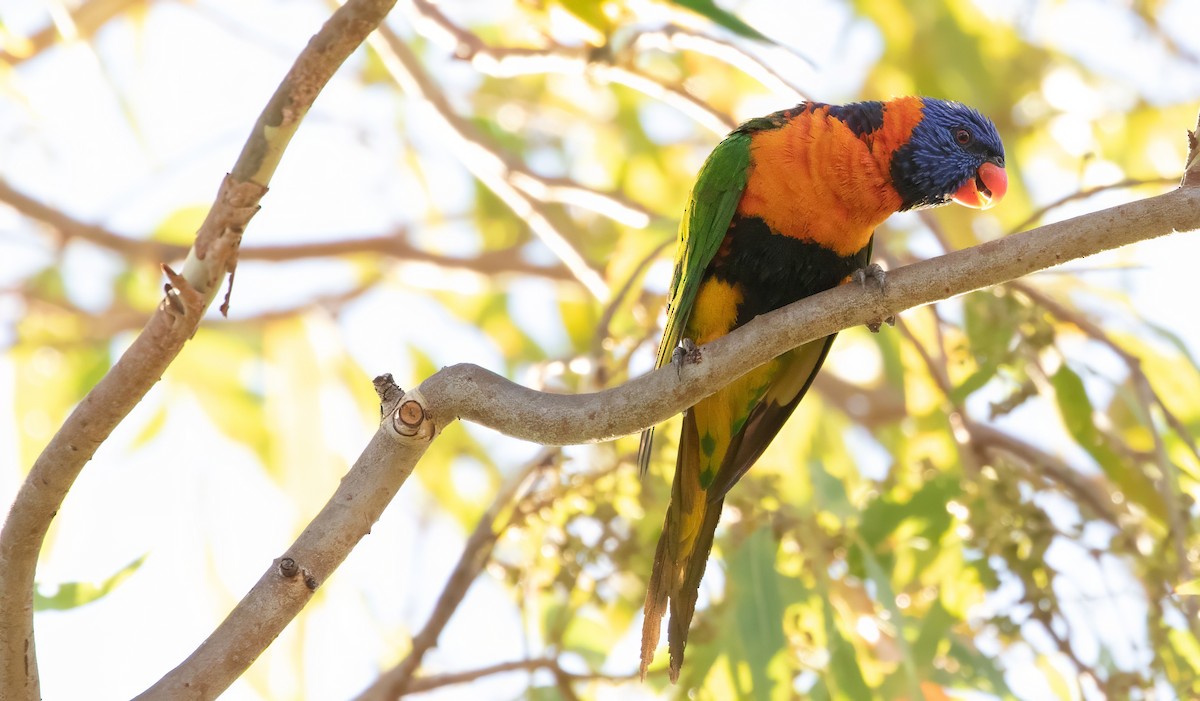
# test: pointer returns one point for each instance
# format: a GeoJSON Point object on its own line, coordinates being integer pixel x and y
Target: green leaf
{"type": "Point", "coordinates": [884, 515]}
{"type": "Point", "coordinates": [847, 677]}
{"type": "Point", "coordinates": [181, 225]}
{"type": "Point", "coordinates": [1189, 588]}
{"type": "Point", "coordinates": [724, 18]}
{"type": "Point", "coordinates": [1176, 342]}
{"type": "Point", "coordinates": [1058, 682]}
{"type": "Point", "coordinates": [74, 594]}
{"type": "Point", "coordinates": [151, 428]}
{"type": "Point", "coordinates": [974, 381]}
{"type": "Point", "coordinates": [590, 13]}
{"type": "Point", "coordinates": [990, 322]}
{"type": "Point", "coordinates": [590, 638]}
{"type": "Point", "coordinates": [982, 669]}
{"type": "Point", "coordinates": [887, 596]}
{"type": "Point", "coordinates": [757, 610]}
{"type": "Point", "coordinates": [1076, 409]}
{"type": "Point", "coordinates": [935, 625]}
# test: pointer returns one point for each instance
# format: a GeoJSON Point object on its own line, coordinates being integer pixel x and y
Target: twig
{"type": "Point", "coordinates": [175, 321]}
{"type": "Point", "coordinates": [578, 61]}
{"type": "Point", "coordinates": [1037, 214]}
{"type": "Point", "coordinates": [958, 418]}
{"type": "Point", "coordinates": [437, 681]}
{"type": "Point", "coordinates": [479, 159]}
{"type": "Point", "coordinates": [119, 319]}
{"type": "Point", "coordinates": [475, 556]}
{"type": "Point", "coordinates": [393, 245]}
{"type": "Point", "coordinates": [1087, 490]}
{"type": "Point", "coordinates": [680, 39]}
{"type": "Point", "coordinates": [610, 310]}
{"type": "Point", "coordinates": [1148, 398]}
{"type": "Point", "coordinates": [471, 393]}
{"type": "Point", "coordinates": [86, 19]}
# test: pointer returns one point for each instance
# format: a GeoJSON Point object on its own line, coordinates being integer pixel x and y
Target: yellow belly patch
{"type": "Point", "coordinates": [714, 312]}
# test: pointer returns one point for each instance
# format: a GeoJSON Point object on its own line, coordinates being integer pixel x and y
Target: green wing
{"type": "Point", "coordinates": [715, 198]}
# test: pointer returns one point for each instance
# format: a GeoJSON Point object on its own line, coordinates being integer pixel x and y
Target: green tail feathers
{"type": "Point", "coordinates": [678, 564]}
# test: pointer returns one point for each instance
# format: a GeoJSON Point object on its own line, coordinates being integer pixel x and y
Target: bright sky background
{"type": "Point", "coordinates": [199, 504]}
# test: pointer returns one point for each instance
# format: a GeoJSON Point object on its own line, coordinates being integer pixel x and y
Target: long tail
{"type": "Point", "coordinates": [681, 556]}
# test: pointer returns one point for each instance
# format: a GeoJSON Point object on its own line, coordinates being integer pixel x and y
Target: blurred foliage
{"type": "Point", "coordinates": [68, 595]}
{"type": "Point", "coordinates": [943, 518]}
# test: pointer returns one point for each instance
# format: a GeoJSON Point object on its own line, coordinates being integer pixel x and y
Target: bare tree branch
{"type": "Point", "coordinates": [1177, 514]}
{"type": "Point", "coordinates": [480, 160]}
{"type": "Point", "coordinates": [394, 245]}
{"type": "Point", "coordinates": [679, 39]}
{"type": "Point", "coordinates": [291, 580]}
{"type": "Point", "coordinates": [476, 554]}
{"type": "Point", "coordinates": [472, 393]}
{"type": "Point", "coordinates": [1036, 216]}
{"type": "Point", "coordinates": [582, 61]}
{"type": "Point", "coordinates": [188, 295]}
{"type": "Point", "coordinates": [438, 681]}
{"type": "Point", "coordinates": [87, 19]}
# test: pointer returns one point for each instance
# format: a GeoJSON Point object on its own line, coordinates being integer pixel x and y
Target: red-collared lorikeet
{"type": "Point", "coordinates": [785, 207]}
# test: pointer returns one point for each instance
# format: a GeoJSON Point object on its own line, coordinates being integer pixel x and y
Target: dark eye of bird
{"type": "Point", "coordinates": [963, 136]}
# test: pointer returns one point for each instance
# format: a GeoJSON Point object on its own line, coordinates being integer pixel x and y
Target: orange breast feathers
{"type": "Point", "coordinates": [815, 179]}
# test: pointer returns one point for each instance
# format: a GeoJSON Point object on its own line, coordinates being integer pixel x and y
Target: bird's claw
{"type": "Point", "coordinates": [874, 326]}
{"type": "Point", "coordinates": [686, 353]}
{"type": "Point", "coordinates": [875, 272]}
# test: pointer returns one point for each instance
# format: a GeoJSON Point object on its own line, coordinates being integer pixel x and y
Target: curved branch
{"type": "Point", "coordinates": [393, 245]}
{"type": "Point", "coordinates": [476, 554]}
{"type": "Point", "coordinates": [292, 579]}
{"type": "Point", "coordinates": [176, 320]}
{"type": "Point", "coordinates": [472, 393]}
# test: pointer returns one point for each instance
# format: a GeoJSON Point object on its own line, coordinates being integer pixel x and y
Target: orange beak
{"type": "Point", "coordinates": [985, 189]}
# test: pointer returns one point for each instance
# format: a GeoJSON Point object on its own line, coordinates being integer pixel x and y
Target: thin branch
{"type": "Point", "coordinates": [482, 161]}
{"type": "Point", "coordinates": [561, 190]}
{"type": "Point", "coordinates": [1036, 215]}
{"type": "Point", "coordinates": [865, 406]}
{"type": "Point", "coordinates": [940, 374]}
{"type": "Point", "coordinates": [1089, 491]}
{"type": "Point", "coordinates": [472, 393]}
{"type": "Point", "coordinates": [476, 554]}
{"type": "Point", "coordinates": [500, 62]}
{"type": "Point", "coordinates": [86, 19]}
{"type": "Point", "coordinates": [1177, 515]}
{"type": "Point", "coordinates": [393, 245]}
{"type": "Point", "coordinates": [437, 681]}
{"type": "Point", "coordinates": [175, 321]}
{"type": "Point", "coordinates": [120, 318]}
{"type": "Point", "coordinates": [680, 39]}
{"type": "Point", "coordinates": [610, 310]}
